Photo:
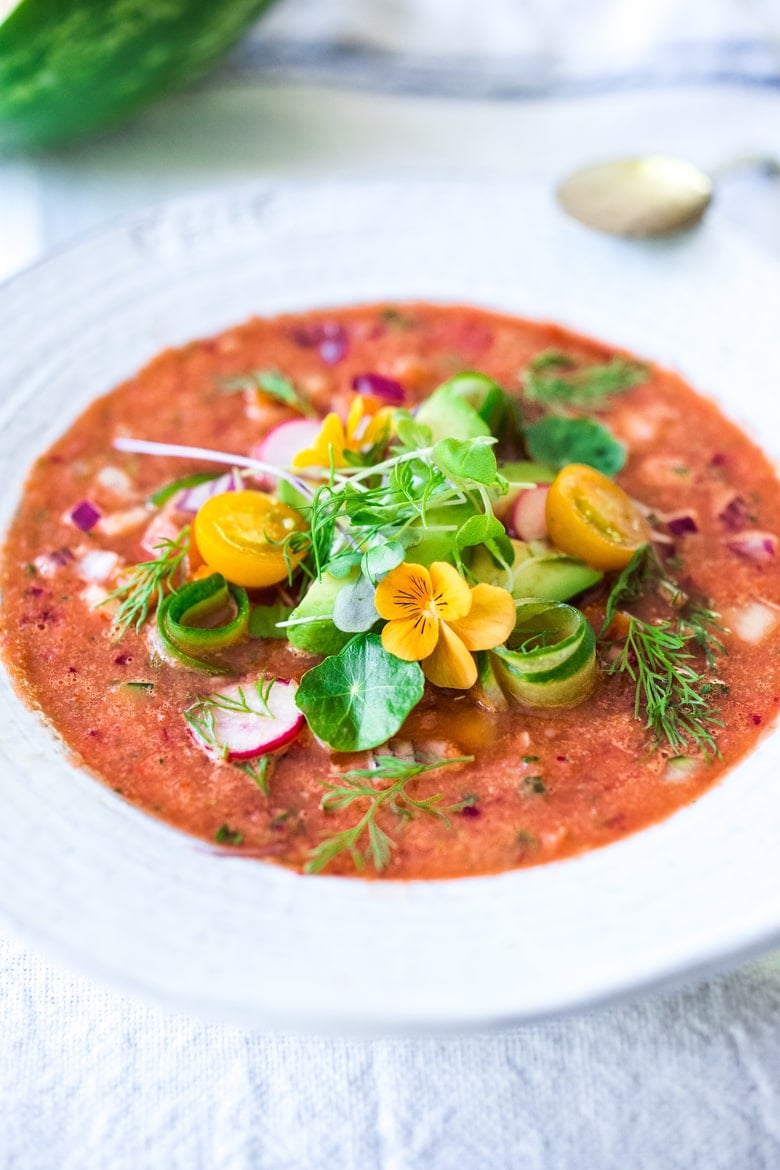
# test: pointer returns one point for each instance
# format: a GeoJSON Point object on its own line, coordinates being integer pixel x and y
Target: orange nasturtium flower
{"type": "Point", "coordinates": [367, 423]}
{"type": "Point", "coordinates": [436, 618]}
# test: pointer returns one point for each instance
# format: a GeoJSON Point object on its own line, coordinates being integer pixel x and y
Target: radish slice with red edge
{"type": "Point", "coordinates": [754, 545]}
{"type": "Point", "coordinates": [528, 514]}
{"type": "Point", "coordinates": [191, 499]}
{"type": "Point", "coordinates": [246, 719]}
{"type": "Point", "coordinates": [282, 444]}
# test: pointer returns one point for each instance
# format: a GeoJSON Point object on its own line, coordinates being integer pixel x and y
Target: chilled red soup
{"type": "Point", "coordinates": [406, 591]}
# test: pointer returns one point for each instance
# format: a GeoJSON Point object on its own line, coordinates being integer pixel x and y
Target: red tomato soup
{"type": "Point", "coordinates": [485, 777]}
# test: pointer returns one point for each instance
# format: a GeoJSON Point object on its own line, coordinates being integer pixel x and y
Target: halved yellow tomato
{"type": "Point", "coordinates": [590, 517]}
{"type": "Point", "coordinates": [240, 534]}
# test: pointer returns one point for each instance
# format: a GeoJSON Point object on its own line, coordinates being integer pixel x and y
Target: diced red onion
{"type": "Point", "coordinates": [735, 515]}
{"type": "Point", "coordinates": [754, 545]}
{"type": "Point", "coordinates": [328, 337]}
{"type": "Point", "coordinates": [718, 459]}
{"type": "Point", "coordinates": [388, 389]}
{"type": "Point", "coordinates": [85, 515]}
{"type": "Point", "coordinates": [192, 499]}
{"type": "Point", "coordinates": [681, 524]}
{"type": "Point", "coordinates": [48, 563]}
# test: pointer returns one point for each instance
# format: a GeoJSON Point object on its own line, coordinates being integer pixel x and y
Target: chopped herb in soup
{"type": "Point", "coordinates": [400, 590]}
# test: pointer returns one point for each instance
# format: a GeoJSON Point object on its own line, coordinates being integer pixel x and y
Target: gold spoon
{"type": "Point", "coordinates": [652, 196]}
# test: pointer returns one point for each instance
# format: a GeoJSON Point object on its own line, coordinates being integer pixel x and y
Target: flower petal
{"type": "Point", "coordinates": [450, 664]}
{"type": "Point", "coordinates": [451, 594]}
{"type": "Point", "coordinates": [405, 592]}
{"type": "Point", "coordinates": [411, 638]}
{"type": "Point", "coordinates": [357, 413]}
{"type": "Point", "coordinates": [330, 439]}
{"type": "Point", "coordinates": [490, 620]}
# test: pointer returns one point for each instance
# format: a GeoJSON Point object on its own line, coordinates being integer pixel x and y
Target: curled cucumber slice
{"type": "Point", "coordinates": [550, 658]}
{"type": "Point", "coordinates": [182, 616]}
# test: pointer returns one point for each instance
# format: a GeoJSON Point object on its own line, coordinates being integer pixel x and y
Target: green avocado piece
{"type": "Point", "coordinates": [536, 572]}
{"type": "Point", "coordinates": [481, 393]}
{"type": "Point", "coordinates": [450, 417]}
{"type": "Point", "coordinates": [320, 637]}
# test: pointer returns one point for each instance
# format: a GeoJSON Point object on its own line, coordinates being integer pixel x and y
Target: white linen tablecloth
{"type": "Point", "coordinates": [93, 1080]}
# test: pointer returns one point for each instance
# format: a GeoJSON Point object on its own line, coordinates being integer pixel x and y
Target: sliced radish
{"type": "Point", "coordinates": [163, 528]}
{"type": "Point", "coordinates": [282, 444]}
{"type": "Point", "coordinates": [246, 719]}
{"type": "Point", "coordinates": [754, 545]}
{"type": "Point", "coordinates": [528, 515]}
{"type": "Point", "coordinates": [191, 499]}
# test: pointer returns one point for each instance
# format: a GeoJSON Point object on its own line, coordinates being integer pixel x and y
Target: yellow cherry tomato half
{"type": "Point", "coordinates": [590, 517]}
{"type": "Point", "coordinates": [239, 535]}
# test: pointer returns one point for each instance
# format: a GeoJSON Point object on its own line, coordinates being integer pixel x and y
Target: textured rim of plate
{"type": "Point", "coordinates": [128, 899]}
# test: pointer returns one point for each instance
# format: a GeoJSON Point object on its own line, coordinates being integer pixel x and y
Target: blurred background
{"type": "Point", "coordinates": [530, 88]}
{"type": "Point", "coordinates": [209, 93]}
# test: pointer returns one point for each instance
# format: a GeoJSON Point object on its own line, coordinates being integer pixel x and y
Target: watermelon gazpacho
{"type": "Point", "coordinates": [404, 590]}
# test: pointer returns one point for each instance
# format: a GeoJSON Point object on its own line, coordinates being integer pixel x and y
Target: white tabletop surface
{"type": "Point", "coordinates": [93, 1080]}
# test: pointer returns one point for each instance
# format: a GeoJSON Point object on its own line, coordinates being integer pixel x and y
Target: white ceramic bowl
{"type": "Point", "coordinates": [138, 903]}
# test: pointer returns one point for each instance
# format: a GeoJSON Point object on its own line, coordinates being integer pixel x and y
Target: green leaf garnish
{"type": "Point", "coordinates": [227, 836]}
{"type": "Point", "coordinates": [149, 582]}
{"type": "Point", "coordinates": [487, 530]}
{"type": "Point", "coordinates": [467, 459]}
{"type": "Point", "coordinates": [169, 490]}
{"type": "Point", "coordinates": [359, 698]}
{"type": "Point", "coordinates": [559, 441]}
{"type": "Point", "coordinates": [354, 611]}
{"type": "Point", "coordinates": [275, 385]}
{"type": "Point", "coordinates": [359, 784]}
{"type": "Point", "coordinates": [673, 696]}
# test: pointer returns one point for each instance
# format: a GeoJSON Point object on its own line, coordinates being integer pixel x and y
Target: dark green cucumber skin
{"type": "Point", "coordinates": [69, 68]}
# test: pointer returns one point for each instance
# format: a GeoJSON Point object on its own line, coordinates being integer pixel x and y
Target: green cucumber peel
{"type": "Point", "coordinates": [196, 601]}
{"type": "Point", "coordinates": [550, 658]}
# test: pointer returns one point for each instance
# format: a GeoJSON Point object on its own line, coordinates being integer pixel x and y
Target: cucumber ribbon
{"type": "Point", "coordinates": [550, 657]}
{"type": "Point", "coordinates": [180, 613]}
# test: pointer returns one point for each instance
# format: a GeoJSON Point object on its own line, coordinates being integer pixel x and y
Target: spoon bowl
{"type": "Point", "coordinates": [655, 195]}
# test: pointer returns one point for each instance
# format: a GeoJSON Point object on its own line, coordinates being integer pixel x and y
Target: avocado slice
{"type": "Point", "coordinates": [321, 637]}
{"type": "Point", "coordinates": [538, 572]}
{"type": "Point", "coordinates": [481, 393]}
{"type": "Point", "coordinates": [450, 417]}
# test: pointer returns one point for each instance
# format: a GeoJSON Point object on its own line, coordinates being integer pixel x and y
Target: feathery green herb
{"type": "Point", "coordinates": [366, 840]}
{"type": "Point", "coordinates": [670, 692]}
{"type": "Point", "coordinates": [554, 380]}
{"type": "Point", "coordinates": [149, 582]}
